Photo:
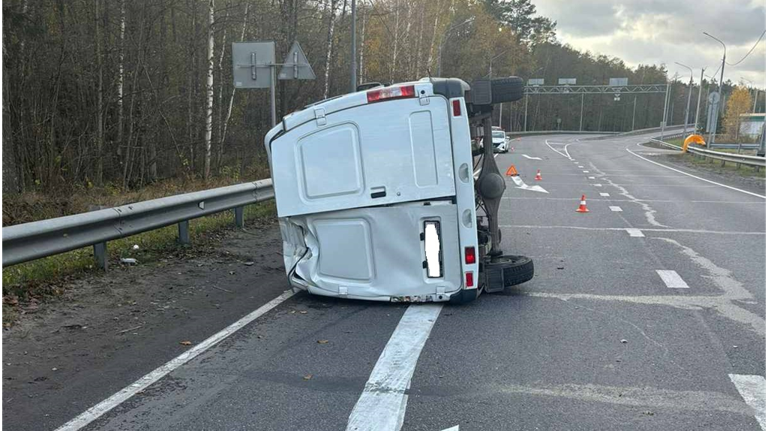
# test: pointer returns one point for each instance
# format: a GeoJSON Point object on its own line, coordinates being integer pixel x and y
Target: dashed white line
{"type": "Point", "coordinates": [590, 178]}
{"type": "Point", "coordinates": [672, 279]}
{"type": "Point", "coordinates": [635, 233]}
{"type": "Point", "coordinates": [615, 209]}
{"type": "Point", "coordinates": [752, 389]}
{"type": "Point", "coordinates": [581, 166]}
{"type": "Point", "coordinates": [605, 195]}
{"type": "Point", "coordinates": [531, 158]}
{"type": "Point", "coordinates": [115, 400]}
{"type": "Point", "coordinates": [383, 402]}
{"type": "Point", "coordinates": [597, 185]}
{"type": "Point", "coordinates": [586, 172]}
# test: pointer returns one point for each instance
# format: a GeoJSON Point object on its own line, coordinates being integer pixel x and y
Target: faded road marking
{"type": "Point", "coordinates": [752, 389]}
{"type": "Point", "coordinates": [672, 279]}
{"type": "Point", "coordinates": [605, 195]}
{"type": "Point", "coordinates": [115, 400]}
{"type": "Point", "coordinates": [635, 233]}
{"type": "Point", "coordinates": [615, 209]}
{"type": "Point", "coordinates": [383, 402]}
{"type": "Point", "coordinates": [532, 158]}
{"type": "Point", "coordinates": [565, 149]}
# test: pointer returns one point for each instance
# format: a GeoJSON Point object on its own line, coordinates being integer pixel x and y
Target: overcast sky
{"type": "Point", "coordinates": [666, 31]}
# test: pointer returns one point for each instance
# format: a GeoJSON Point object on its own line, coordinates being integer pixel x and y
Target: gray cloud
{"type": "Point", "coordinates": [662, 31]}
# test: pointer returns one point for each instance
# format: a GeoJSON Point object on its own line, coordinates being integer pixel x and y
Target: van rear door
{"type": "Point", "coordinates": [373, 154]}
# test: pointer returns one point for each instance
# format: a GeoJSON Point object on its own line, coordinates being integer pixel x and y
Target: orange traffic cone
{"type": "Point", "coordinates": [583, 205]}
{"type": "Point", "coordinates": [538, 175]}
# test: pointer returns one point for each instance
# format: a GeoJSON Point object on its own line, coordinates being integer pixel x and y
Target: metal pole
{"type": "Point", "coordinates": [688, 105]}
{"type": "Point", "coordinates": [698, 103]}
{"type": "Point", "coordinates": [501, 109]}
{"type": "Point", "coordinates": [634, 107]}
{"type": "Point", "coordinates": [581, 113]}
{"type": "Point", "coordinates": [719, 91]}
{"type": "Point", "coordinates": [353, 63]}
{"type": "Point", "coordinates": [443, 38]}
{"type": "Point", "coordinates": [525, 118]}
{"type": "Point", "coordinates": [757, 94]}
{"type": "Point", "coordinates": [272, 93]}
{"type": "Point", "coordinates": [664, 117]}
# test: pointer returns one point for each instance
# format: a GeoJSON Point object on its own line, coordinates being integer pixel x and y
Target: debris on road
{"type": "Point", "coordinates": [322, 341]}
{"type": "Point", "coordinates": [308, 377]}
{"type": "Point", "coordinates": [135, 247]}
{"type": "Point", "coordinates": [248, 264]}
{"type": "Point", "coordinates": [186, 343]}
{"type": "Point", "coordinates": [129, 260]}
{"type": "Point", "coordinates": [623, 341]}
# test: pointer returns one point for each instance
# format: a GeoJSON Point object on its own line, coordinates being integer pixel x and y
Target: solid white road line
{"type": "Point", "coordinates": [564, 154]}
{"type": "Point", "coordinates": [615, 209]}
{"type": "Point", "coordinates": [383, 402]}
{"type": "Point", "coordinates": [672, 279]}
{"type": "Point", "coordinates": [665, 230]}
{"type": "Point", "coordinates": [635, 233]}
{"type": "Point", "coordinates": [694, 176]}
{"type": "Point", "coordinates": [531, 158]}
{"type": "Point", "coordinates": [605, 195]}
{"type": "Point", "coordinates": [597, 185]}
{"type": "Point", "coordinates": [590, 178]}
{"type": "Point", "coordinates": [752, 389]}
{"type": "Point", "coordinates": [115, 400]}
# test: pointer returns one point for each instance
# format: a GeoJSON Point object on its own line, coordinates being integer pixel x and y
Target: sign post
{"type": "Point", "coordinates": [253, 66]}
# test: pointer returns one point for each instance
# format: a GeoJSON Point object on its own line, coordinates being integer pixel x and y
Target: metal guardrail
{"type": "Point", "coordinates": [558, 132]}
{"type": "Point", "coordinates": [30, 241]}
{"type": "Point", "coordinates": [718, 155]}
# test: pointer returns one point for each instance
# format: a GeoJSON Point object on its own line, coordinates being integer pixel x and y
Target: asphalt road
{"type": "Point", "coordinates": [598, 340]}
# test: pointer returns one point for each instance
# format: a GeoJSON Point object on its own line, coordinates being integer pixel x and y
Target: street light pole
{"type": "Point", "coordinates": [687, 105]}
{"type": "Point", "coordinates": [698, 102]}
{"type": "Point", "coordinates": [719, 91]}
{"type": "Point", "coordinates": [353, 63]}
{"type": "Point", "coordinates": [443, 39]}
{"type": "Point", "coordinates": [490, 76]}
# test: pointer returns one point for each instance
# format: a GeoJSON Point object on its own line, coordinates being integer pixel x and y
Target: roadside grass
{"type": "Point", "coordinates": [720, 167]}
{"type": "Point", "coordinates": [43, 278]}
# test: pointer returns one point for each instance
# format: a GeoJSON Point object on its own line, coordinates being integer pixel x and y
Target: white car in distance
{"type": "Point", "coordinates": [500, 142]}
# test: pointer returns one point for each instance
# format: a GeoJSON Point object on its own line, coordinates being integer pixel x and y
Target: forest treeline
{"type": "Point", "coordinates": [122, 93]}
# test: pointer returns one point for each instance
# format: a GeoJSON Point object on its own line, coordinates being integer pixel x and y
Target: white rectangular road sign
{"type": "Point", "coordinates": [252, 63]}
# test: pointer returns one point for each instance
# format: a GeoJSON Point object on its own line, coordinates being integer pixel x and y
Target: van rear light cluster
{"type": "Point", "coordinates": [469, 280]}
{"type": "Point", "coordinates": [469, 255]}
{"type": "Point", "coordinates": [457, 108]}
{"type": "Point", "coordinates": [390, 93]}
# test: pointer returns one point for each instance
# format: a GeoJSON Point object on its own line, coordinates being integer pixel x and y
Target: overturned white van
{"type": "Point", "coordinates": [376, 197]}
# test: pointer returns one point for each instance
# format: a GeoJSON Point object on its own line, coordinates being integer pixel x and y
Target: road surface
{"type": "Point", "coordinates": [646, 313]}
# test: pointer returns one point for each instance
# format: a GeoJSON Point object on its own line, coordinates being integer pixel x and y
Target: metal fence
{"type": "Point", "coordinates": [30, 241]}
{"type": "Point", "coordinates": [739, 159]}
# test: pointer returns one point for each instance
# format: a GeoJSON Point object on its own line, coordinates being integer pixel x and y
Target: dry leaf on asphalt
{"type": "Point", "coordinates": [186, 343]}
{"type": "Point", "coordinates": [308, 377]}
{"type": "Point", "coordinates": [322, 341]}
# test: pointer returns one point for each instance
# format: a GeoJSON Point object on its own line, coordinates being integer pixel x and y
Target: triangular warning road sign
{"type": "Point", "coordinates": [296, 65]}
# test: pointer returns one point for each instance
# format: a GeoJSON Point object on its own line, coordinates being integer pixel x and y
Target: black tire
{"type": "Point", "coordinates": [519, 272]}
{"type": "Point", "coordinates": [507, 89]}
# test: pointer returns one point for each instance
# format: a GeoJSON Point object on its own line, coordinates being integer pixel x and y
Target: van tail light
{"type": "Point", "coordinates": [390, 93]}
{"type": "Point", "coordinates": [457, 108]}
{"type": "Point", "coordinates": [470, 280]}
{"type": "Point", "coordinates": [469, 255]}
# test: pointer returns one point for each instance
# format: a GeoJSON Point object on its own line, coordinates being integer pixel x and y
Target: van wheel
{"type": "Point", "coordinates": [507, 89]}
{"type": "Point", "coordinates": [519, 271]}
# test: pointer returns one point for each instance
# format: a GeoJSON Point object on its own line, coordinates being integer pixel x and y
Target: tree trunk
{"type": "Point", "coordinates": [232, 96]}
{"type": "Point", "coordinates": [329, 49]}
{"type": "Point", "coordinates": [99, 102]}
{"type": "Point", "coordinates": [209, 95]}
{"type": "Point", "coordinates": [393, 65]}
{"type": "Point", "coordinates": [120, 79]}
{"type": "Point", "coordinates": [360, 76]}
{"type": "Point", "coordinates": [10, 172]}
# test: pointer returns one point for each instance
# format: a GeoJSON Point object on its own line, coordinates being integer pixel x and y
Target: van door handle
{"type": "Point", "coordinates": [378, 192]}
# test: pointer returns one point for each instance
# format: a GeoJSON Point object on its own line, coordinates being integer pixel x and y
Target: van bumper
{"type": "Point", "coordinates": [464, 296]}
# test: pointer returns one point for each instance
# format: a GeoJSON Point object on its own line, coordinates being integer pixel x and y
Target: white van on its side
{"type": "Point", "coordinates": [376, 196]}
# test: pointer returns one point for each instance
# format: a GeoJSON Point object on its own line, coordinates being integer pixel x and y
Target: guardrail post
{"type": "Point", "coordinates": [100, 255]}
{"type": "Point", "coordinates": [184, 232]}
{"type": "Point", "coordinates": [239, 219]}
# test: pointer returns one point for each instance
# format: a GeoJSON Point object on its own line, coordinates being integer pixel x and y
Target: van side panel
{"type": "Point", "coordinates": [375, 154]}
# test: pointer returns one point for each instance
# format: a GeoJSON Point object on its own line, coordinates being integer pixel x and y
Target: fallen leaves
{"type": "Point", "coordinates": [322, 341]}
{"type": "Point", "coordinates": [186, 343]}
{"type": "Point", "coordinates": [308, 377]}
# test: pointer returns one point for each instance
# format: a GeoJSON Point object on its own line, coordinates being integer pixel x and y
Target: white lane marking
{"type": "Point", "coordinates": [454, 428]}
{"type": "Point", "coordinates": [672, 279]}
{"type": "Point", "coordinates": [586, 172]}
{"type": "Point", "coordinates": [650, 213]}
{"type": "Point", "coordinates": [605, 195]}
{"type": "Point", "coordinates": [670, 230]}
{"type": "Point", "coordinates": [383, 401]}
{"type": "Point", "coordinates": [115, 400]}
{"type": "Point", "coordinates": [531, 158]}
{"type": "Point", "coordinates": [565, 154]}
{"type": "Point", "coordinates": [635, 233]}
{"type": "Point", "coordinates": [522, 185]}
{"type": "Point", "coordinates": [752, 389]}
{"type": "Point", "coordinates": [597, 185]}
{"type": "Point", "coordinates": [565, 148]}
{"type": "Point", "coordinates": [590, 178]}
{"type": "Point", "coordinates": [581, 166]}
{"type": "Point", "coordinates": [694, 176]}
{"type": "Point", "coordinates": [615, 209]}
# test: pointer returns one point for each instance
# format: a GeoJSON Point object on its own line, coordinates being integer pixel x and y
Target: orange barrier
{"type": "Point", "coordinates": [693, 139]}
